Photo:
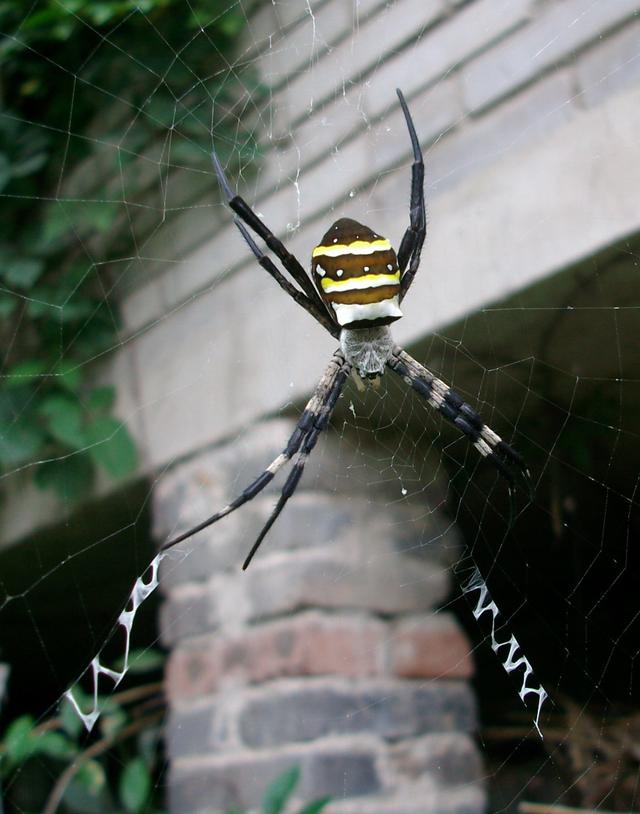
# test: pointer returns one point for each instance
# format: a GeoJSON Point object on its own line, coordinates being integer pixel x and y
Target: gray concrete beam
{"type": "Point", "coordinates": [241, 349]}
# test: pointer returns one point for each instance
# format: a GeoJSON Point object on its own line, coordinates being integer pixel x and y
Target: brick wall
{"type": "Point", "coordinates": [325, 653]}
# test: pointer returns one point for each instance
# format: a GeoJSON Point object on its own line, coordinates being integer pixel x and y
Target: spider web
{"type": "Point", "coordinates": [551, 362]}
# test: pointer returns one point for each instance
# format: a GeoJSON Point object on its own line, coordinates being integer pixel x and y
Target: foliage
{"type": "Point", "coordinates": [89, 90]}
{"type": "Point", "coordinates": [52, 766]}
{"type": "Point", "coordinates": [280, 791]}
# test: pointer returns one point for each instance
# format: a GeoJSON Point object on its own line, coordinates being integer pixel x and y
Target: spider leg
{"type": "Point", "coordinates": [282, 281]}
{"type": "Point", "coordinates": [319, 405]}
{"type": "Point", "coordinates": [320, 421]}
{"type": "Point", "coordinates": [413, 238]}
{"type": "Point", "coordinates": [454, 408]}
{"type": "Point", "coordinates": [288, 260]}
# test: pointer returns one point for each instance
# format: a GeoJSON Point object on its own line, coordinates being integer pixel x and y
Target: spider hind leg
{"type": "Point", "coordinates": [313, 420]}
{"type": "Point", "coordinates": [509, 463]}
{"type": "Point", "coordinates": [413, 239]}
{"type": "Point", "coordinates": [327, 395]}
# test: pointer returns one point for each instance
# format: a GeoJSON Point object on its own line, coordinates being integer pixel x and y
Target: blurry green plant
{"type": "Point", "coordinates": [53, 767]}
{"type": "Point", "coordinates": [89, 91]}
{"type": "Point", "coordinates": [278, 794]}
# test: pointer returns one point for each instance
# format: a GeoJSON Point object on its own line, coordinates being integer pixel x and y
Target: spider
{"type": "Point", "coordinates": [356, 286]}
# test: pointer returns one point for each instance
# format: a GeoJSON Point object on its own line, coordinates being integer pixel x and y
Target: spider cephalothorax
{"type": "Point", "coordinates": [355, 289]}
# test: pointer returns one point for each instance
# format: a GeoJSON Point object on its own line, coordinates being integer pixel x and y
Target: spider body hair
{"type": "Point", "coordinates": [367, 349]}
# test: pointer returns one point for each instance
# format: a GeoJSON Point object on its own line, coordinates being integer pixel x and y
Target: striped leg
{"type": "Point", "coordinates": [413, 238]}
{"type": "Point", "coordinates": [313, 419]}
{"type": "Point", "coordinates": [319, 422]}
{"type": "Point", "coordinates": [245, 213]}
{"type": "Point", "coordinates": [453, 407]}
{"type": "Point", "coordinates": [297, 295]}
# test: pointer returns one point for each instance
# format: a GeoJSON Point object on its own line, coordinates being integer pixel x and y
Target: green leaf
{"type": "Point", "coordinates": [113, 721]}
{"type": "Point", "coordinates": [20, 442]}
{"type": "Point", "coordinates": [8, 305]}
{"type": "Point", "coordinates": [88, 791]}
{"type": "Point", "coordinates": [277, 794]}
{"type": "Point", "coordinates": [102, 13]}
{"type": "Point", "coordinates": [5, 170]}
{"type": "Point", "coordinates": [40, 306]}
{"type": "Point", "coordinates": [315, 806]}
{"type": "Point", "coordinates": [21, 272]}
{"type": "Point", "coordinates": [231, 23]}
{"type": "Point", "coordinates": [29, 165]}
{"type": "Point", "coordinates": [64, 420]}
{"type": "Point", "coordinates": [111, 446]}
{"type": "Point", "coordinates": [69, 718]}
{"type": "Point", "coordinates": [56, 224]}
{"type": "Point", "coordinates": [19, 741]}
{"type": "Point", "coordinates": [56, 745]}
{"type": "Point", "coordinates": [69, 375]}
{"type": "Point", "coordinates": [99, 215]}
{"type": "Point", "coordinates": [101, 398]}
{"type": "Point", "coordinates": [77, 309]}
{"type": "Point", "coordinates": [142, 660]}
{"type": "Point", "coordinates": [135, 785]}
{"type": "Point", "coordinates": [92, 776]}
{"type": "Point", "coordinates": [25, 372]}
{"type": "Point", "coordinates": [70, 477]}
{"type": "Point", "coordinates": [42, 19]}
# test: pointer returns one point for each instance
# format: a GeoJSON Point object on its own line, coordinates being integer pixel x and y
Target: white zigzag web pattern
{"type": "Point", "coordinates": [141, 591]}
{"type": "Point", "coordinates": [486, 604]}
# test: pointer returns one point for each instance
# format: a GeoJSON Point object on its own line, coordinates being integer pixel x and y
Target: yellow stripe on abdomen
{"type": "Point", "coordinates": [362, 282]}
{"type": "Point", "coordinates": [356, 247]}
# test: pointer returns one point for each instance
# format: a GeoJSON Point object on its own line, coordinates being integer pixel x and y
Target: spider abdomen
{"type": "Point", "coordinates": [356, 272]}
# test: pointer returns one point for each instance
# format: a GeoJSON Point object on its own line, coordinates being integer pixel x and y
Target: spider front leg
{"type": "Point", "coordinates": [244, 212]}
{"type": "Point", "coordinates": [321, 316]}
{"type": "Point", "coordinates": [413, 238]}
{"type": "Point", "coordinates": [313, 420]}
{"type": "Point", "coordinates": [456, 410]}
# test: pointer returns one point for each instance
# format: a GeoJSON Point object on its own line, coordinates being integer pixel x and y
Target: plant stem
{"type": "Point", "coordinates": [98, 748]}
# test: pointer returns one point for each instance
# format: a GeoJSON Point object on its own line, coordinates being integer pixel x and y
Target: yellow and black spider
{"type": "Point", "coordinates": [356, 286]}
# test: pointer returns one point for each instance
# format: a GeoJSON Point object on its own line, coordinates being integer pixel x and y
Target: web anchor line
{"type": "Point", "coordinates": [140, 591]}
{"type": "Point", "coordinates": [515, 657]}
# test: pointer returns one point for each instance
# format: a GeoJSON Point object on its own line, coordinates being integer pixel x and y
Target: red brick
{"type": "Point", "coordinates": [430, 647]}
{"type": "Point", "coordinates": [308, 644]}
